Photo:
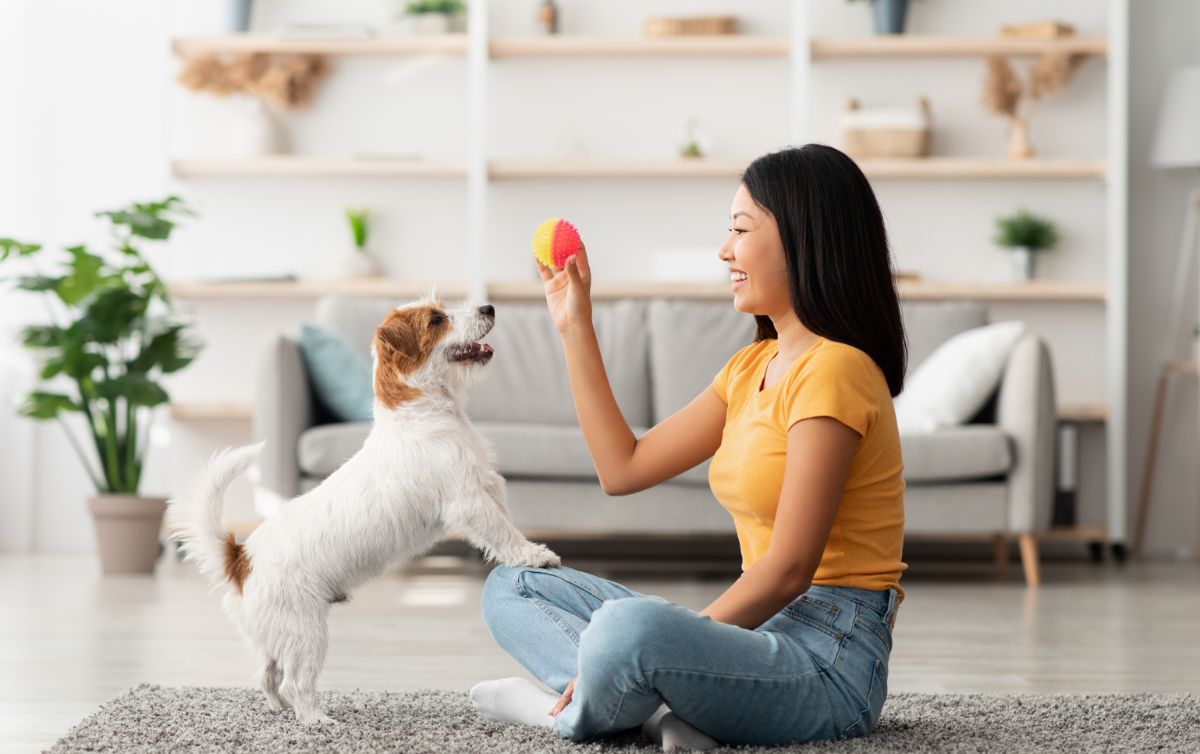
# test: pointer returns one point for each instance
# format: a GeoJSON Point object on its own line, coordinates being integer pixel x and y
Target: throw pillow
{"type": "Point", "coordinates": [341, 376]}
{"type": "Point", "coordinates": [955, 381]}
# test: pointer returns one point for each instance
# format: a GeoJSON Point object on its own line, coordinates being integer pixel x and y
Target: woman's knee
{"type": "Point", "coordinates": [623, 633]}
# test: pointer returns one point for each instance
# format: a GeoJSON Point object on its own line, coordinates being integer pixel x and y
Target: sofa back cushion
{"type": "Point", "coordinates": [527, 379]}
{"type": "Point", "coordinates": [929, 324]}
{"type": "Point", "coordinates": [689, 343]}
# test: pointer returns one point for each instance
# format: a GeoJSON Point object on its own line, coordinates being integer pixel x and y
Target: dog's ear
{"type": "Point", "coordinates": [397, 347]}
{"type": "Point", "coordinates": [400, 344]}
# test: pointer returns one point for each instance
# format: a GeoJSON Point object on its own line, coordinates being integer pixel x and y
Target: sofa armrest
{"type": "Point", "coordinates": [283, 410]}
{"type": "Point", "coordinates": [1026, 410]}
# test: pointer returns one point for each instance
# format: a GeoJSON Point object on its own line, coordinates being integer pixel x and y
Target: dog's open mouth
{"type": "Point", "coordinates": [480, 353]}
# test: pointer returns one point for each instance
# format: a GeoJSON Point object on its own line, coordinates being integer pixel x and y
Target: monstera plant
{"type": "Point", "coordinates": [114, 334]}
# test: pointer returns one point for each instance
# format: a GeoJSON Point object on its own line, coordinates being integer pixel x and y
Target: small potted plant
{"type": "Point", "coordinates": [1025, 234]}
{"type": "Point", "coordinates": [432, 16]}
{"type": "Point", "coordinates": [116, 334]}
{"type": "Point", "coordinates": [890, 15]}
{"type": "Point", "coordinates": [358, 262]}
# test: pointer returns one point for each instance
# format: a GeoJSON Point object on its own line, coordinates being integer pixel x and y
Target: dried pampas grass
{"type": "Point", "coordinates": [1001, 89]}
{"type": "Point", "coordinates": [288, 83]}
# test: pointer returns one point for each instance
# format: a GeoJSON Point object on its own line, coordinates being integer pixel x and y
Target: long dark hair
{"type": "Point", "coordinates": [839, 270]}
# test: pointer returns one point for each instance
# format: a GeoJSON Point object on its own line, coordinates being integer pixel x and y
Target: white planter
{"type": "Point", "coordinates": [356, 263]}
{"type": "Point", "coordinates": [1023, 259]}
{"type": "Point", "coordinates": [422, 23]}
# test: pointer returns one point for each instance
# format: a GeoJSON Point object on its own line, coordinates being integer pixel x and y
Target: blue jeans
{"type": "Point", "coordinates": [815, 670]}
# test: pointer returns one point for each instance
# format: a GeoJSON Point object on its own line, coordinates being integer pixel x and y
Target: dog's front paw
{"type": "Point", "coordinates": [534, 556]}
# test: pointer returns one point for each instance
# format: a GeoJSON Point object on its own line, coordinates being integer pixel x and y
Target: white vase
{"type": "Point", "coordinates": [1023, 258]}
{"type": "Point", "coordinates": [357, 263]}
{"type": "Point", "coordinates": [255, 130]}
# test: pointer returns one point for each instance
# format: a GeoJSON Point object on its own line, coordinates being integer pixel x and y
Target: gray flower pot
{"type": "Point", "coordinates": [890, 16]}
{"type": "Point", "coordinates": [127, 529]}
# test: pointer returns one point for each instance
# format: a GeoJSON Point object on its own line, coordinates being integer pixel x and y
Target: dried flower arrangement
{"type": "Point", "coordinates": [289, 83]}
{"type": "Point", "coordinates": [1003, 92]}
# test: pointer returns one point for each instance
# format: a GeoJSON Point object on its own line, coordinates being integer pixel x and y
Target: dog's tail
{"type": "Point", "coordinates": [195, 520]}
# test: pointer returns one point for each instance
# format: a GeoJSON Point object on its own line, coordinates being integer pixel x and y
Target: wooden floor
{"type": "Point", "coordinates": [70, 640]}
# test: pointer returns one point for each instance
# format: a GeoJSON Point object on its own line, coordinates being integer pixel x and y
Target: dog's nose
{"type": "Point", "coordinates": [488, 310]}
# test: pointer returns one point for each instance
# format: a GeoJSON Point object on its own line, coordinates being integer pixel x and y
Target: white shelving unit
{"type": "Point", "coordinates": [804, 50]}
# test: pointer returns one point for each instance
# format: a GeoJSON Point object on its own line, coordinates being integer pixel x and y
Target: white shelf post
{"type": "Point", "coordinates": [477, 147]}
{"type": "Point", "coordinates": [1117, 314]}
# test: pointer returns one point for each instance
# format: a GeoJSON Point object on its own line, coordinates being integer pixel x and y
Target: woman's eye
{"type": "Point", "coordinates": [739, 231]}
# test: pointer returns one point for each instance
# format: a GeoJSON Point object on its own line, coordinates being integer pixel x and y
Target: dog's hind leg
{"type": "Point", "coordinates": [270, 675]}
{"type": "Point", "coordinates": [302, 658]}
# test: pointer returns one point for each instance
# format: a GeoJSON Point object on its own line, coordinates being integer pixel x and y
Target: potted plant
{"type": "Point", "coordinates": [358, 262]}
{"type": "Point", "coordinates": [116, 334]}
{"type": "Point", "coordinates": [432, 16]}
{"type": "Point", "coordinates": [890, 15]}
{"type": "Point", "coordinates": [1025, 234]}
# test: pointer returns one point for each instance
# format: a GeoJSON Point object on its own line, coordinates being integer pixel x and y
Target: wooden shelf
{"type": "Point", "coordinates": [439, 44]}
{"type": "Point", "coordinates": [184, 411]}
{"type": "Point", "coordinates": [304, 289]}
{"type": "Point", "coordinates": [317, 167]}
{"type": "Point", "coordinates": [578, 46]}
{"type": "Point", "coordinates": [679, 168]}
{"type": "Point", "coordinates": [981, 167]}
{"type": "Point", "coordinates": [323, 167]}
{"type": "Point", "coordinates": [1050, 291]}
{"type": "Point", "coordinates": [910, 46]}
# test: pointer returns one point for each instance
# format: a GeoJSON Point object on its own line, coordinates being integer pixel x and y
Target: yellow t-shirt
{"type": "Point", "coordinates": [746, 474]}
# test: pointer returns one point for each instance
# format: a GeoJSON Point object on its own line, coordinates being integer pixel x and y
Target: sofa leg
{"type": "Point", "coordinates": [1000, 548]}
{"type": "Point", "coordinates": [1029, 559]}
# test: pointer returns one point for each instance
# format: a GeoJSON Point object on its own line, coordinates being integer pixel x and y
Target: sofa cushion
{"type": "Point", "coordinates": [527, 380]}
{"type": "Point", "coordinates": [973, 451]}
{"type": "Point", "coordinates": [341, 377]}
{"type": "Point", "coordinates": [689, 343]}
{"type": "Point", "coordinates": [928, 324]}
{"type": "Point", "coordinates": [522, 449]}
{"type": "Point", "coordinates": [322, 449]}
{"type": "Point", "coordinates": [954, 382]}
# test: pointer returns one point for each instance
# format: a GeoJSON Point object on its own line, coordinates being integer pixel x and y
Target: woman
{"type": "Point", "coordinates": [806, 459]}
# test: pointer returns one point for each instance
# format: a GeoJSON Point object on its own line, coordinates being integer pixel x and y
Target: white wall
{"type": "Point", "coordinates": [98, 117]}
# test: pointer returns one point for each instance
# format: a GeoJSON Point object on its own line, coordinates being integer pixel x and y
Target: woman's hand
{"type": "Point", "coordinates": [563, 700]}
{"type": "Point", "coordinates": [568, 292]}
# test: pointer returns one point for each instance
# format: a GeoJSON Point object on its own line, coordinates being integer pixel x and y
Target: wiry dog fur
{"type": "Point", "coordinates": [423, 471]}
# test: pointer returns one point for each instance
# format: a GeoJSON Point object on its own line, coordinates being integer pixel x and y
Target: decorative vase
{"type": "Point", "coordinates": [357, 263]}
{"type": "Point", "coordinates": [890, 16]}
{"type": "Point", "coordinates": [1023, 259]}
{"type": "Point", "coordinates": [241, 15]}
{"type": "Point", "coordinates": [127, 531]}
{"type": "Point", "coordinates": [1019, 147]}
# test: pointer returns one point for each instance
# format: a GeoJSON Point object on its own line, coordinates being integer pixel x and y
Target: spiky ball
{"type": "Point", "coordinates": [554, 241]}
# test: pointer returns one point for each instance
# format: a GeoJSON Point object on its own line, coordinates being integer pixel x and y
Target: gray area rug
{"type": "Point", "coordinates": [153, 718]}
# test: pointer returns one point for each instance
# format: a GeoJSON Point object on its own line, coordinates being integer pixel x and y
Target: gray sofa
{"type": "Point", "coordinates": [992, 477]}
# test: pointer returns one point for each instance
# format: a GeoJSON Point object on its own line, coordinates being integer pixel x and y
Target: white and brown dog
{"type": "Point", "coordinates": [423, 471]}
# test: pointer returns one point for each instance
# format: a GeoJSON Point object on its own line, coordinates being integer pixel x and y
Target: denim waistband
{"type": "Point", "coordinates": [882, 603]}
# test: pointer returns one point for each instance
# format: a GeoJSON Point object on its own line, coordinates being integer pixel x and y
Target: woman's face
{"type": "Point", "coordinates": [754, 252]}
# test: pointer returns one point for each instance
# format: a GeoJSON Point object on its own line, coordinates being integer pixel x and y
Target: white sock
{"type": "Point", "coordinates": [677, 734]}
{"type": "Point", "coordinates": [514, 700]}
{"type": "Point", "coordinates": [652, 728]}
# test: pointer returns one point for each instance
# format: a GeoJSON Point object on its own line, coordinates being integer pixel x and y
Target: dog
{"type": "Point", "coordinates": [423, 472]}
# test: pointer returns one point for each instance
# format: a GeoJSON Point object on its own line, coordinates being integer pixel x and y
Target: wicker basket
{"type": "Point", "coordinates": [696, 25]}
{"type": "Point", "coordinates": [910, 139]}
